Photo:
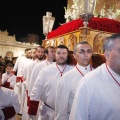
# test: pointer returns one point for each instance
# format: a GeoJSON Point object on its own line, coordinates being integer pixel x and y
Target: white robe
{"type": "Point", "coordinates": [9, 98]}
{"type": "Point", "coordinates": [36, 70]}
{"type": "Point", "coordinates": [20, 65]}
{"type": "Point", "coordinates": [66, 89]}
{"type": "Point", "coordinates": [9, 78]}
{"type": "Point", "coordinates": [97, 97]}
{"type": "Point", "coordinates": [27, 75]}
{"type": "Point", "coordinates": [27, 72]}
{"type": "Point", "coordinates": [45, 88]}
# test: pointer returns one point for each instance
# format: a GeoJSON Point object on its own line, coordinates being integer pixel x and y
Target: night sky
{"type": "Point", "coordinates": [22, 17]}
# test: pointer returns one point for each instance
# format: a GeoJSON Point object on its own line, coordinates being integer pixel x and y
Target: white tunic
{"type": "Point", "coordinates": [66, 90]}
{"type": "Point", "coordinates": [28, 70]}
{"type": "Point", "coordinates": [9, 78]}
{"type": "Point", "coordinates": [45, 88]}
{"type": "Point", "coordinates": [27, 74]}
{"type": "Point", "coordinates": [9, 98]}
{"type": "Point", "coordinates": [97, 97]}
{"type": "Point", "coordinates": [20, 65]}
{"type": "Point", "coordinates": [36, 70]}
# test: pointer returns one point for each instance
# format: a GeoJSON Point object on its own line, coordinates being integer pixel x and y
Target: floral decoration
{"type": "Point", "coordinates": [102, 24]}
{"type": "Point", "coordinates": [73, 12]}
{"type": "Point", "coordinates": [111, 13]}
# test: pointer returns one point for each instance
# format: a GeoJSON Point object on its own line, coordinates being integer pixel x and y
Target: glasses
{"type": "Point", "coordinates": [83, 51]}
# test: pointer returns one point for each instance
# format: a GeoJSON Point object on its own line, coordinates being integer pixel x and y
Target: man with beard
{"type": "Point", "coordinates": [21, 61]}
{"type": "Point", "coordinates": [44, 88]}
{"type": "Point", "coordinates": [68, 83]}
{"type": "Point", "coordinates": [20, 64]}
{"type": "Point", "coordinates": [37, 56]}
{"type": "Point", "coordinates": [50, 57]}
{"type": "Point", "coordinates": [98, 94]}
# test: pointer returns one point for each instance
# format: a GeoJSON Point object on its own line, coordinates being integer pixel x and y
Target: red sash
{"type": "Point", "coordinates": [18, 79]}
{"type": "Point", "coordinates": [7, 84]}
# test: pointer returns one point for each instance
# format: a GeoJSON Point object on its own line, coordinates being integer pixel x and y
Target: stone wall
{"type": "Point", "coordinates": [9, 44]}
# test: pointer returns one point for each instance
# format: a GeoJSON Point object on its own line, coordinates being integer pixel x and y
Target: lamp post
{"type": "Point", "coordinates": [86, 10]}
{"type": "Point", "coordinates": [48, 22]}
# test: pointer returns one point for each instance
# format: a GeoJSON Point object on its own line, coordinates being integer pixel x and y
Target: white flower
{"type": "Point", "coordinates": [117, 12]}
{"type": "Point", "coordinates": [109, 13]}
{"type": "Point", "coordinates": [67, 12]}
{"type": "Point", "coordinates": [72, 13]}
{"type": "Point", "coordinates": [102, 12]}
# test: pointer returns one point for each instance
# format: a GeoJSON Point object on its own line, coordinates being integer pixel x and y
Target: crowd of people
{"type": "Point", "coordinates": [50, 84]}
{"type": "Point", "coordinates": [4, 61]}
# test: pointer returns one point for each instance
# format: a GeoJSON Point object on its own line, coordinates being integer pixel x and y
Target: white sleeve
{"type": "Point", "coordinates": [14, 101]}
{"type": "Point", "coordinates": [25, 72]}
{"type": "Point", "coordinates": [28, 74]}
{"type": "Point", "coordinates": [33, 78]}
{"type": "Point", "coordinates": [37, 88]}
{"type": "Point", "coordinates": [61, 101]}
{"type": "Point", "coordinates": [80, 107]}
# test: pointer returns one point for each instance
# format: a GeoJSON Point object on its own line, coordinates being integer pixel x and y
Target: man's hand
{"type": "Point", "coordinates": [18, 84]}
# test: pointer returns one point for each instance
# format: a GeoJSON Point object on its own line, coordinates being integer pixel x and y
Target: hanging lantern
{"type": "Point", "coordinates": [48, 22]}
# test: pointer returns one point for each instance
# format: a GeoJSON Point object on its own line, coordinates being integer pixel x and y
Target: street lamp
{"type": "Point", "coordinates": [48, 22]}
{"type": "Point", "coordinates": [86, 12]}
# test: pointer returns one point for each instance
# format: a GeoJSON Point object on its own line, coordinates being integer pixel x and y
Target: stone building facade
{"type": "Point", "coordinates": [10, 47]}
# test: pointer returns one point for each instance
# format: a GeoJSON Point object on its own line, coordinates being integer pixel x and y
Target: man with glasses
{"type": "Point", "coordinates": [68, 83]}
{"type": "Point", "coordinates": [98, 95]}
{"type": "Point", "coordinates": [44, 88]}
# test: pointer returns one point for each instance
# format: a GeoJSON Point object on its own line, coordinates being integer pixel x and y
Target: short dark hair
{"type": "Point", "coordinates": [46, 49]}
{"type": "Point", "coordinates": [14, 58]}
{"type": "Point", "coordinates": [27, 49]}
{"type": "Point", "coordinates": [40, 46]}
{"type": "Point", "coordinates": [62, 47]}
{"type": "Point", "coordinates": [9, 65]}
{"type": "Point", "coordinates": [34, 48]}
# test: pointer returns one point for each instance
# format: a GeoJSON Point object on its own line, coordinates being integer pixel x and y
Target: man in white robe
{"type": "Point", "coordinates": [37, 56]}
{"type": "Point", "coordinates": [9, 104]}
{"type": "Point", "coordinates": [21, 61]}
{"type": "Point", "coordinates": [50, 57]}
{"type": "Point", "coordinates": [68, 83]}
{"type": "Point", "coordinates": [8, 78]}
{"type": "Point", "coordinates": [98, 94]}
{"type": "Point", "coordinates": [23, 90]}
{"type": "Point", "coordinates": [44, 88]}
{"type": "Point", "coordinates": [20, 65]}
